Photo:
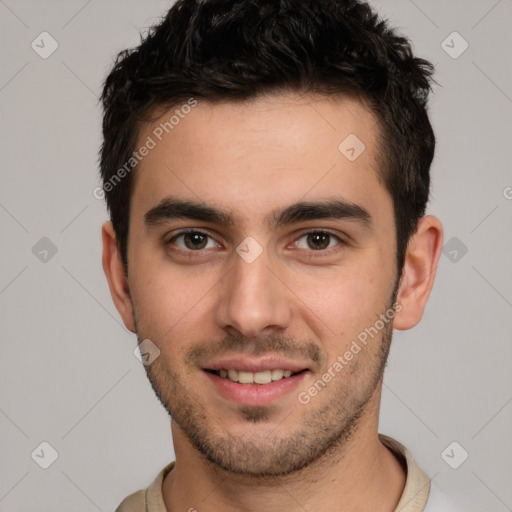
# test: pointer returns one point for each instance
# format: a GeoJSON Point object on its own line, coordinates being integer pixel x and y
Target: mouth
{"type": "Point", "coordinates": [260, 378]}
{"type": "Point", "coordinates": [252, 382]}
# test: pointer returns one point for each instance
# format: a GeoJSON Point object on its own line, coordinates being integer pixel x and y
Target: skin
{"type": "Point", "coordinates": [294, 300]}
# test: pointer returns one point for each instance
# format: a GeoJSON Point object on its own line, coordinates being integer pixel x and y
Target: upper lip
{"type": "Point", "coordinates": [246, 364]}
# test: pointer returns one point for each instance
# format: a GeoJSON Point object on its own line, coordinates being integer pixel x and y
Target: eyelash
{"type": "Point", "coordinates": [320, 252]}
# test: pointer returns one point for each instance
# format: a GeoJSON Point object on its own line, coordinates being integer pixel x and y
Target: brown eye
{"type": "Point", "coordinates": [192, 241]}
{"type": "Point", "coordinates": [195, 240]}
{"type": "Point", "coordinates": [317, 241]}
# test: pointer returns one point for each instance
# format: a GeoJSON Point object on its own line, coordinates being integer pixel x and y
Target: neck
{"type": "Point", "coordinates": [360, 475]}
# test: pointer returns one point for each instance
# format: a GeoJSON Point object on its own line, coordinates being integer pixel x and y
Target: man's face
{"type": "Point", "coordinates": [264, 292]}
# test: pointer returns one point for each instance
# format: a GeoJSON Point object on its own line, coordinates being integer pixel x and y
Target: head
{"type": "Point", "coordinates": [250, 123]}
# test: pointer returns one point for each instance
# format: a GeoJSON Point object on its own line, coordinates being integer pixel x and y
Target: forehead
{"type": "Point", "coordinates": [256, 155]}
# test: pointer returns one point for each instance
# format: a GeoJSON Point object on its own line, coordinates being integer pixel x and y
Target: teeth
{"type": "Point", "coordinates": [277, 374]}
{"type": "Point", "coordinates": [245, 377]}
{"type": "Point", "coordinates": [265, 377]}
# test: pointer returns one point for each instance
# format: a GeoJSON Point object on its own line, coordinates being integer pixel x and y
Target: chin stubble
{"type": "Point", "coordinates": [322, 431]}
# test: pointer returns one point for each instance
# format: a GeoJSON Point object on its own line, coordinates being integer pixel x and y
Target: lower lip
{"type": "Point", "coordinates": [256, 394]}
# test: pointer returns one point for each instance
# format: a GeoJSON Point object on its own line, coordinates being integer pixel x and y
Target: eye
{"type": "Point", "coordinates": [318, 241]}
{"type": "Point", "coordinates": [192, 240]}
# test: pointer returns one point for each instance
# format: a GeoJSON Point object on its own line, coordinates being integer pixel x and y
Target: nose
{"type": "Point", "coordinates": [253, 299]}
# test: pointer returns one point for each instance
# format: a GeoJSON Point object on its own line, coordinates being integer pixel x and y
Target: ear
{"type": "Point", "coordinates": [421, 259]}
{"type": "Point", "coordinates": [117, 280]}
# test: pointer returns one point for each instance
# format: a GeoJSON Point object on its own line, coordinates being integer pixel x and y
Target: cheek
{"type": "Point", "coordinates": [170, 300]}
{"type": "Point", "coordinates": [344, 303]}
{"type": "Point", "coordinates": [155, 297]}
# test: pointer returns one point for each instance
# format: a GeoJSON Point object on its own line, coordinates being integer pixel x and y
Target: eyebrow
{"type": "Point", "coordinates": [174, 208]}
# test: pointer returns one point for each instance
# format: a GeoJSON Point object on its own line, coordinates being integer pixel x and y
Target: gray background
{"type": "Point", "coordinates": [68, 373]}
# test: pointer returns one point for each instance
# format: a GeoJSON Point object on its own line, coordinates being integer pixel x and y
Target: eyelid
{"type": "Point", "coordinates": [321, 230]}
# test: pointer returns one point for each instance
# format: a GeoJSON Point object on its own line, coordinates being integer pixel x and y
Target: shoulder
{"type": "Point", "coordinates": [440, 501]}
{"type": "Point", "coordinates": [150, 499]}
{"type": "Point", "coordinates": [134, 503]}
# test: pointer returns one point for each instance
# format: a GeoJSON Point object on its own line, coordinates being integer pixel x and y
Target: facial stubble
{"type": "Point", "coordinates": [287, 447]}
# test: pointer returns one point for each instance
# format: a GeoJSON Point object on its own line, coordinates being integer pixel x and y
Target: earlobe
{"type": "Point", "coordinates": [114, 271]}
{"type": "Point", "coordinates": [421, 259]}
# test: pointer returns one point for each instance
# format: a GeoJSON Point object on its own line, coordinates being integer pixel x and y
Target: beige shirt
{"type": "Point", "coordinates": [413, 499]}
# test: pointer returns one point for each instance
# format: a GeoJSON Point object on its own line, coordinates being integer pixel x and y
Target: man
{"type": "Point", "coordinates": [266, 168]}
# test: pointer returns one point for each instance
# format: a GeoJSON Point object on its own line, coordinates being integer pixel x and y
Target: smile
{"type": "Point", "coordinates": [263, 377]}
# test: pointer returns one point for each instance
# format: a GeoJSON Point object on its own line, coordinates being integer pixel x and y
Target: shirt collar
{"type": "Point", "coordinates": [417, 485]}
{"type": "Point", "coordinates": [413, 499]}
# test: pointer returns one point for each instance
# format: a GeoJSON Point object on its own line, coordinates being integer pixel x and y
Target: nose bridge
{"type": "Point", "coordinates": [252, 299]}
